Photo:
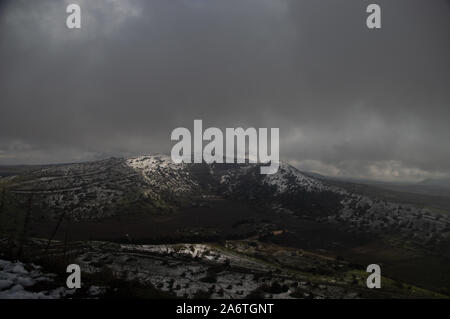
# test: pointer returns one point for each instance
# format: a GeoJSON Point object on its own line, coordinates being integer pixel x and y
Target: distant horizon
{"type": "Point", "coordinates": [339, 177]}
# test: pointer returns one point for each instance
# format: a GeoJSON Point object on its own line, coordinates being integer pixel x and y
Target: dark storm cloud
{"type": "Point", "coordinates": [348, 100]}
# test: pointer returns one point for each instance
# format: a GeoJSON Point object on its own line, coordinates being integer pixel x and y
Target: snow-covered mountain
{"type": "Point", "coordinates": [154, 184]}
{"type": "Point", "coordinates": [95, 189]}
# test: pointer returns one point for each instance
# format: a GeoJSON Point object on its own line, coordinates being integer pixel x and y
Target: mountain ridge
{"type": "Point", "coordinates": [154, 185]}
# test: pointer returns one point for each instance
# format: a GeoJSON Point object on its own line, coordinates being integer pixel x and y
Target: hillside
{"type": "Point", "coordinates": [150, 200]}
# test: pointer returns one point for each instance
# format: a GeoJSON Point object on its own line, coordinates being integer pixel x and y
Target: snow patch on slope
{"type": "Point", "coordinates": [15, 282]}
{"type": "Point", "coordinates": [160, 172]}
{"type": "Point", "coordinates": [153, 162]}
{"type": "Point", "coordinates": [288, 177]}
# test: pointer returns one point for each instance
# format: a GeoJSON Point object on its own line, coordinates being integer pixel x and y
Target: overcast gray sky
{"type": "Point", "coordinates": [348, 101]}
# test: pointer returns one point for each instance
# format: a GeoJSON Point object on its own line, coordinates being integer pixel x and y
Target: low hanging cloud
{"type": "Point", "coordinates": [348, 101]}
